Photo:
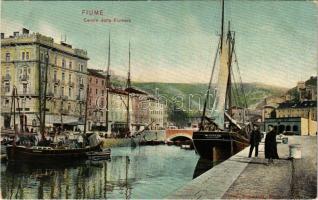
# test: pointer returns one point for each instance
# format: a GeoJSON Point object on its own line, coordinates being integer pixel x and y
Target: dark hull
{"type": "Point", "coordinates": [21, 153]}
{"type": "Point", "coordinates": [218, 146]}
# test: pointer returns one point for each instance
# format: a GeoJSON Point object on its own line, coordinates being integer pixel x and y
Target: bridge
{"type": "Point", "coordinates": [178, 134]}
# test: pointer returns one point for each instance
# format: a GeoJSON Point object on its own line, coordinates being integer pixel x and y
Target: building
{"type": "Point", "coordinates": [97, 100]}
{"type": "Point", "coordinates": [296, 117]}
{"type": "Point", "coordinates": [304, 109]}
{"type": "Point", "coordinates": [297, 125]}
{"type": "Point", "coordinates": [307, 90]}
{"type": "Point", "coordinates": [27, 61]}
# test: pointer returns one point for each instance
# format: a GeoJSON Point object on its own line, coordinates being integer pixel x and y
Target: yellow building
{"type": "Point", "coordinates": [305, 109]}
{"type": "Point", "coordinates": [23, 56]}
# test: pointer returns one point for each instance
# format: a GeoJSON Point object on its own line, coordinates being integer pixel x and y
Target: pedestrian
{"type": "Point", "coordinates": [271, 145]}
{"type": "Point", "coordinates": [255, 139]}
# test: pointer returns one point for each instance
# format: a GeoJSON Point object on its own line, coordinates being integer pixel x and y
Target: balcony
{"type": "Point", "coordinates": [56, 81]}
{"type": "Point", "coordinates": [64, 98]}
{"type": "Point", "coordinates": [71, 84]}
{"type": "Point", "coordinates": [6, 78]}
{"type": "Point", "coordinates": [24, 78]}
{"type": "Point", "coordinates": [64, 111]}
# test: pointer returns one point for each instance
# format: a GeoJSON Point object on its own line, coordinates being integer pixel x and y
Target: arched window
{"type": "Point", "coordinates": [281, 128]}
{"type": "Point", "coordinates": [288, 128]}
{"type": "Point", "coordinates": [34, 122]}
{"type": "Point", "coordinates": [295, 128]}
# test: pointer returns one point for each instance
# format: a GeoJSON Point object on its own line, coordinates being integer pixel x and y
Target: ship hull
{"type": "Point", "coordinates": [21, 153]}
{"type": "Point", "coordinates": [218, 146]}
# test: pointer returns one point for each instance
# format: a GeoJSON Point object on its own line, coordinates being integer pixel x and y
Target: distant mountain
{"type": "Point", "coordinates": [191, 93]}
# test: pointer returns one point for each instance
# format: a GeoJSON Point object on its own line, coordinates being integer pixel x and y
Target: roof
{"type": "Point", "coordinates": [118, 91]}
{"type": "Point", "coordinates": [135, 91]}
{"type": "Point", "coordinates": [95, 72]}
{"type": "Point", "coordinates": [304, 104]}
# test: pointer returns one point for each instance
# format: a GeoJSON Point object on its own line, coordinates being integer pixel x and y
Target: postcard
{"type": "Point", "coordinates": [159, 99]}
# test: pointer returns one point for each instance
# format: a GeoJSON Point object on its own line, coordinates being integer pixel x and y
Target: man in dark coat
{"type": "Point", "coordinates": [271, 145]}
{"type": "Point", "coordinates": [255, 138]}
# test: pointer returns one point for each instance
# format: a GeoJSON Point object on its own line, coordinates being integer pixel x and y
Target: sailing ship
{"type": "Point", "coordinates": [47, 152]}
{"type": "Point", "coordinates": [219, 135]}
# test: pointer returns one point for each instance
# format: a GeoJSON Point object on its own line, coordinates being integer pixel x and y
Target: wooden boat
{"type": "Point", "coordinates": [219, 135]}
{"type": "Point", "coordinates": [48, 154]}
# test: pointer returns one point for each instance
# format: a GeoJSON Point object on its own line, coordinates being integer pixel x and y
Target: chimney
{"type": "Point", "coordinates": [2, 35]}
{"type": "Point", "coordinates": [15, 34]}
{"type": "Point", "coordinates": [25, 31]}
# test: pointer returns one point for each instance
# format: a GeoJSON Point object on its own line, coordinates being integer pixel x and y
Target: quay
{"type": "Point", "coordinates": [242, 177]}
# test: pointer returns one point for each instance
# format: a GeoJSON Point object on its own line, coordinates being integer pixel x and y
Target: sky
{"type": "Point", "coordinates": [175, 41]}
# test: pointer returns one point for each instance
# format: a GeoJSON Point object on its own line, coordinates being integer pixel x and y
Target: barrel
{"type": "Point", "coordinates": [295, 151]}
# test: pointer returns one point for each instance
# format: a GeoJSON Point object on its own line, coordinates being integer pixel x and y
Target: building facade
{"type": "Point", "coordinates": [97, 104]}
{"type": "Point", "coordinates": [304, 109]}
{"type": "Point", "coordinates": [33, 62]}
{"type": "Point", "coordinates": [297, 125]}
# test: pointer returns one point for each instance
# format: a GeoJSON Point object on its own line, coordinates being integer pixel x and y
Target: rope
{"type": "Point", "coordinates": [240, 77]}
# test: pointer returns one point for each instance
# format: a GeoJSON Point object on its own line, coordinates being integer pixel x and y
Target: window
{"type": "Point", "coordinates": [63, 76]}
{"type": "Point", "coordinates": [90, 79]}
{"type": "Point", "coordinates": [96, 81]}
{"type": "Point", "coordinates": [7, 87]}
{"type": "Point", "coordinates": [63, 63]}
{"type": "Point", "coordinates": [70, 65]}
{"type": "Point", "coordinates": [55, 75]}
{"type": "Point", "coordinates": [7, 57]}
{"type": "Point", "coordinates": [96, 91]}
{"type": "Point", "coordinates": [69, 92]}
{"type": "Point", "coordinates": [295, 128]}
{"type": "Point", "coordinates": [25, 88]}
{"type": "Point", "coordinates": [69, 107]}
{"type": "Point", "coordinates": [55, 89]}
{"type": "Point", "coordinates": [55, 60]}
{"type": "Point", "coordinates": [27, 56]}
{"type": "Point", "coordinates": [70, 78]}
{"type": "Point", "coordinates": [34, 122]}
{"type": "Point", "coordinates": [23, 55]}
{"type": "Point", "coordinates": [102, 82]}
{"type": "Point", "coordinates": [62, 91]}
{"type": "Point", "coordinates": [41, 57]}
{"type": "Point", "coordinates": [102, 92]}
{"type": "Point", "coordinates": [7, 102]}
{"type": "Point", "coordinates": [81, 67]}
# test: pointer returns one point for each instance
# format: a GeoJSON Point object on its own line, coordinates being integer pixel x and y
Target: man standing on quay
{"type": "Point", "coordinates": [255, 138]}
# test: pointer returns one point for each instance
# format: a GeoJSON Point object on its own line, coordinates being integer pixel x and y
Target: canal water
{"type": "Point", "coordinates": [141, 172]}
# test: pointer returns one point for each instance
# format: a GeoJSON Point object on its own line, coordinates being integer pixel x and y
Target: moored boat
{"type": "Point", "coordinates": [47, 154]}
{"type": "Point", "coordinates": [219, 135]}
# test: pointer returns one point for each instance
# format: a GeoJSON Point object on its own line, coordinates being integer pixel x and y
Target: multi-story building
{"type": "Point", "coordinates": [307, 90]}
{"type": "Point", "coordinates": [305, 109]}
{"type": "Point", "coordinates": [97, 100]}
{"type": "Point", "coordinates": [34, 63]}
{"type": "Point", "coordinates": [143, 109]}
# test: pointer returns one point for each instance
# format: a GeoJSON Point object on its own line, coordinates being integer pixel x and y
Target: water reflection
{"type": "Point", "coordinates": [143, 172]}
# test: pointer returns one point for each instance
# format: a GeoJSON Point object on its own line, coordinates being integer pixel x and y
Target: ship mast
{"type": "Point", "coordinates": [108, 84]}
{"type": "Point", "coordinates": [42, 92]}
{"type": "Point", "coordinates": [127, 89]}
{"type": "Point", "coordinates": [222, 25]}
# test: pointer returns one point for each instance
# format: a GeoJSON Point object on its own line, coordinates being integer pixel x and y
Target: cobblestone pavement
{"type": "Point", "coordinates": [281, 180]}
